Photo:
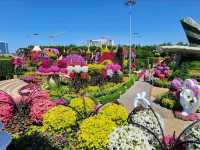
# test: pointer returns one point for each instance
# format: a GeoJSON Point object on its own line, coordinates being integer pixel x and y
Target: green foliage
{"type": "Point", "coordinates": [115, 94]}
{"type": "Point", "coordinates": [94, 132]}
{"type": "Point", "coordinates": [182, 72]}
{"type": "Point", "coordinates": [6, 68]}
{"type": "Point", "coordinates": [169, 101]}
{"type": "Point", "coordinates": [116, 113]}
{"type": "Point", "coordinates": [34, 141]}
{"type": "Point", "coordinates": [161, 83]}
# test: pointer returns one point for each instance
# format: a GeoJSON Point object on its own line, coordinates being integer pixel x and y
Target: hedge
{"type": "Point", "coordinates": [114, 95]}
{"type": "Point", "coordinates": [6, 69]}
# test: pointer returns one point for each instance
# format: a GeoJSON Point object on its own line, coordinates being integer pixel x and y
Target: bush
{"type": "Point", "coordinates": [170, 103]}
{"type": "Point", "coordinates": [6, 69]}
{"type": "Point", "coordinates": [115, 94]}
{"type": "Point", "coordinates": [161, 83]}
{"type": "Point", "coordinates": [182, 72]}
{"type": "Point", "coordinates": [58, 120]}
{"type": "Point", "coordinates": [116, 113]}
{"type": "Point", "coordinates": [34, 141]}
{"type": "Point", "coordinates": [94, 132]}
{"type": "Point", "coordinates": [84, 106]}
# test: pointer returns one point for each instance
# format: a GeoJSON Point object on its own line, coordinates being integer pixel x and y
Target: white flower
{"type": "Point", "coordinates": [192, 134]}
{"type": "Point", "coordinates": [109, 72]}
{"type": "Point", "coordinates": [148, 120]}
{"type": "Point", "coordinates": [84, 69]}
{"type": "Point", "coordinates": [70, 68]}
{"type": "Point", "coordinates": [77, 68]}
{"type": "Point", "coordinates": [128, 138]}
{"type": "Point", "coordinates": [141, 100]}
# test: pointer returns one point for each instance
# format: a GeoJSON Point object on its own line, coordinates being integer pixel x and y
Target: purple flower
{"type": "Point", "coordinates": [157, 72]}
{"type": "Point", "coordinates": [176, 84]}
{"type": "Point", "coordinates": [28, 79]}
{"type": "Point", "coordinates": [75, 59]}
{"type": "Point", "coordinates": [61, 102]}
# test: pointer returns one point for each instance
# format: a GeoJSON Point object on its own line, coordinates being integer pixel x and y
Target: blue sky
{"type": "Point", "coordinates": [76, 21]}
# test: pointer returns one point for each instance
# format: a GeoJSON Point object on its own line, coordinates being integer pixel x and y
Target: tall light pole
{"type": "Point", "coordinates": [130, 3]}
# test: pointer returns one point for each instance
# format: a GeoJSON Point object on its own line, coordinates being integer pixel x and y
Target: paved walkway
{"type": "Point", "coordinates": [12, 86]}
{"type": "Point", "coordinates": [171, 123]}
{"type": "Point", "coordinates": [128, 98]}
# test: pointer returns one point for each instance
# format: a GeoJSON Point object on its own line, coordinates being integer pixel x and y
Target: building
{"type": "Point", "coordinates": [100, 42]}
{"type": "Point", "coordinates": [3, 48]}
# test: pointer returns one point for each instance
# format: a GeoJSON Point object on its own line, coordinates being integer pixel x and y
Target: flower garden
{"type": "Point", "coordinates": [71, 102]}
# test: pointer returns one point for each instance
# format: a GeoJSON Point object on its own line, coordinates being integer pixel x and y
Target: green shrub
{"type": "Point", "coordinates": [169, 101]}
{"type": "Point", "coordinates": [161, 83]}
{"type": "Point", "coordinates": [182, 72]}
{"type": "Point", "coordinates": [6, 69]}
{"type": "Point", "coordinates": [114, 95]}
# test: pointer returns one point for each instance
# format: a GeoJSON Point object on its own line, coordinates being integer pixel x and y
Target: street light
{"type": "Point", "coordinates": [130, 3]}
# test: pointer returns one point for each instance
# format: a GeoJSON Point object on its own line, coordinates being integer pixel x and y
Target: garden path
{"type": "Point", "coordinates": [128, 98]}
{"type": "Point", "coordinates": [171, 123]}
{"type": "Point", "coordinates": [12, 87]}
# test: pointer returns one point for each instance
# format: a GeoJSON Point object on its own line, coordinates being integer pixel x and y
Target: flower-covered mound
{"type": "Point", "coordinates": [128, 138]}
{"type": "Point", "coordinates": [148, 120]}
{"type": "Point", "coordinates": [83, 105]}
{"type": "Point", "coordinates": [94, 132]}
{"type": "Point", "coordinates": [58, 120]}
{"type": "Point", "coordinates": [115, 112]}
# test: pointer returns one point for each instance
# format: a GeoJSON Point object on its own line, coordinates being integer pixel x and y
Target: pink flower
{"type": "Point", "coordinates": [46, 63]}
{"type": "Point", "coordinates": [40, 104]}
{"type": "Point", "coordinates": [55, 69]}
{"type": "Point", "coordinates": [168, 139]}
{"type": "Point", "coordinates": [62, 63]}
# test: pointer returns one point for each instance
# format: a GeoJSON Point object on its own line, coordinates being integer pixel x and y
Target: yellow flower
{"type": "Point", "coordinates": [94, 132]}
{"type": "Point", "coordinates": [59, 119]}
{"type": "Point", "coordinates": [116, 113]}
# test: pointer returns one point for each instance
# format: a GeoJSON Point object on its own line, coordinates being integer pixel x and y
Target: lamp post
{"type": "Point", "coordinates": [130, 3]}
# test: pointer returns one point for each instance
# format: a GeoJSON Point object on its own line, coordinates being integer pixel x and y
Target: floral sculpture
{"type": "Point", "coordinates": [161, 71]}
{"type": "Point", "coordinates": [188, 92]}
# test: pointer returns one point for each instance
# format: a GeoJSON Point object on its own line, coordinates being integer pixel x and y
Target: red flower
{"type": "Point", "coordinates": [162, 76]}
{"type": "Point", "coordinates": [84, 75]}
{"type": "Point", "coordinates": [72, 74]}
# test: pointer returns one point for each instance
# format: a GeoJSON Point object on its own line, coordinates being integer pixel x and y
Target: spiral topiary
{"type": "Point", "coordinates": [115, 112]}
{"type": "Point", "coordinates": [94, 132]}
